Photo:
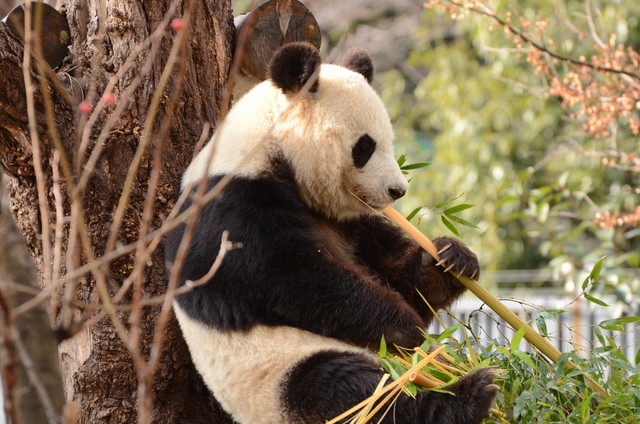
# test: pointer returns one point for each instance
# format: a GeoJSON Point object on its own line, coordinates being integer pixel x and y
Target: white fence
{"type": "Point", "coordinates": [572, 330]}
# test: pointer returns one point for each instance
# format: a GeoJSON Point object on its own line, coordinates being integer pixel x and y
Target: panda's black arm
{"type": "Point", "coordinates": [279, 282]}
{"type": "Point", "coordinates": [285, 273]}
{"type": "Point", "coordinates": [407, 268]}
{"type": "Point", "coordinates": [346, 304]}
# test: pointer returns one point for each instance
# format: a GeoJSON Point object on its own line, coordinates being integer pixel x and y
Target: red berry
{"type": "Point", "coordinates": [85, 107]}
{"type": "Point", "coordinates": [177, 24]}
{"type": "Point", "coordinates": [109, 98]}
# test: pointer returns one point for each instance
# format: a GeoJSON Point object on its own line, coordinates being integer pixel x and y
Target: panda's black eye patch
{"type": "Point", "coordinates": [363, 150]}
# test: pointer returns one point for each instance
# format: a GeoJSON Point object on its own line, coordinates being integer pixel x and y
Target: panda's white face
{"type": "Point", "coordinates": [338, 140]}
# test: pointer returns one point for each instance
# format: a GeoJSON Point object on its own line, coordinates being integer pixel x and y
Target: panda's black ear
{"type": "Point", "coordinates": [359, 60]}
{"type": "Point", "coordinates": [293, 65]}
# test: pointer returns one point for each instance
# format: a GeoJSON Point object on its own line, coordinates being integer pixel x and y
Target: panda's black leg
{"type": "Point", "coordinates": [328, 383]}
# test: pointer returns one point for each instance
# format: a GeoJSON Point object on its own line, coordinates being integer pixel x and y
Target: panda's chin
{"type": "Point", "coordinates": [375, 208]}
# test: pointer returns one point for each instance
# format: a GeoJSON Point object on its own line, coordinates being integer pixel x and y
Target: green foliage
{"type": "Point", "coordinates": [448, 214]}
{"type": "Point", "coordinates": [533, 389]}
{"type": "Point", "coordinates": [547, 193]}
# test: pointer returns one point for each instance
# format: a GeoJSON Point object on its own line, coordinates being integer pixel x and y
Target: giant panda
{"type": "Point", "coordinates": [287, 328]}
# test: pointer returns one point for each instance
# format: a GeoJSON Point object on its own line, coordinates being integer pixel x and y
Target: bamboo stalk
{"type": "Point", "coordinates": [421, 380]}
{"type": "Point", "coordinates": [505, 313]}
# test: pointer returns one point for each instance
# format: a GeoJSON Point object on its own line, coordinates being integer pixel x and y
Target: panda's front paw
{"type": "Point", "coordinates": [456, 257]}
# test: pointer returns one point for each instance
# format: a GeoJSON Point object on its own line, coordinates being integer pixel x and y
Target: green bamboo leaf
{"type": "Point", "coordinates": [416, 165]}
{"type": "Point", "coordinates": [586, 282]}
{"type": "Point", "coordinates": [611, 327]}
{"type": "Point", "coordinates": [401, 160]}
{"type": "Point", "coordinates": [621, 321]}
{"type": "Point", "coordinates": [524, 357]}
{"type": "Point", "coordinates": [443, 204]}
{"type": "Point", "coordinates": [542, 325]}
{"type": "Point", "coordinates": [585, 406]}
{"type": "Point", "coordinates": [458, 208]}
{"type": "Point", "coordinates": [461, 221]}
{"type": "Point", "coordinates": [599, 335]}
{"type": "Point", "coordinates": [383, 348]}
{"type": "Point", "coordinates": [594, 300]}
{"type": "Point", "coordinates": [411, 388]}
{"type": "Point", "coordinates": [617, 324]}
{"type": "Point", "coordinates": [449, 225]}
{"type": "Point", "coordinates": [543, 212]}
{"type": "Point", "coordinates": [413, 213]}
{"type": "Point", "coordinates": [595, 272]}
{"type": "Point", "coordinates": [515, 341]}
{"type": "Point", "coordinates": [448, 332]}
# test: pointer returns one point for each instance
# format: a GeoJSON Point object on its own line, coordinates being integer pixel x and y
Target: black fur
{"type": "Point", "coordinates": [293, 65]}
{"type": "Point", "coordinates": [329, 383]}
{"type": "Point", "coordinates": [290, 271]}
{"type": "Point", "coordinates": [363, 150]}
{"type": "Point", "coordinates": [359, 60]}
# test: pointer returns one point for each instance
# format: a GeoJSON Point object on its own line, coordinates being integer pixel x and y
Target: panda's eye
{"type": "Point", "coordinates": [363, 150]}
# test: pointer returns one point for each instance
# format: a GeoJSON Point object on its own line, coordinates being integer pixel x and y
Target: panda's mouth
{"type": "Point", "coordinates": [368, 203]}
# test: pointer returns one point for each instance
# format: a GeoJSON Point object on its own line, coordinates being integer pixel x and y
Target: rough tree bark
{"type": "Point", "coordinates": [99, 372]}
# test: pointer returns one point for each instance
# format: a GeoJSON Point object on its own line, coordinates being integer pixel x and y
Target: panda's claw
{"type": "Point", "coordinates": [449, 268]}
{"type": "Point", "coordinates": [442, 262]}
{"type": "Point", "coordinates": [461, 271]}
{"type": "Point", "coordinates": [444, 249]}
{"type": "Point", "coordinates": [492, 388]}
{"type": "Point", "coordinates": [473, 276]}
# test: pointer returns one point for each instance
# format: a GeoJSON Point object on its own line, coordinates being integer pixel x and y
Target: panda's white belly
{"type": "Point", "coordinates": [244, 370]}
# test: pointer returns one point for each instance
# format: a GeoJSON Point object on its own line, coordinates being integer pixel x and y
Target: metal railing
{"type": "Point", "coordinates": [571, 330]}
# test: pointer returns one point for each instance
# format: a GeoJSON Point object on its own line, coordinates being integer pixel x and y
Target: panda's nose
{"type": "Point", "coordinates": [397, 192]}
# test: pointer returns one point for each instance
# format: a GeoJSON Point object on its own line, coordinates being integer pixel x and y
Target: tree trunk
{"type": "Point", "coordinates": [68, 178]}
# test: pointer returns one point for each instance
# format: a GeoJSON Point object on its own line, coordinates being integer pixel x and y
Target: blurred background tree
{"type": "Point", "coordinates": [547, 150]}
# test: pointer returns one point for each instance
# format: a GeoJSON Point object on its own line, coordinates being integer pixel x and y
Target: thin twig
{"type": "Point", "coordinates": [35, 145]}
{"type": "Point", "coordinates": [34, 378]}
{"type": "Point", "coordinates": [485, 11]}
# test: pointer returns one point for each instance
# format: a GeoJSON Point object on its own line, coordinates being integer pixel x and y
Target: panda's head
{"type": "Point", "coordinates": [326, 122]}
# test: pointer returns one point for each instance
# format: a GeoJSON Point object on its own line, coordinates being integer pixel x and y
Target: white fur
{"type": "Point", "coordinates": [316, 132]}
{"type": "Point", "coordinates": [238, 366]}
